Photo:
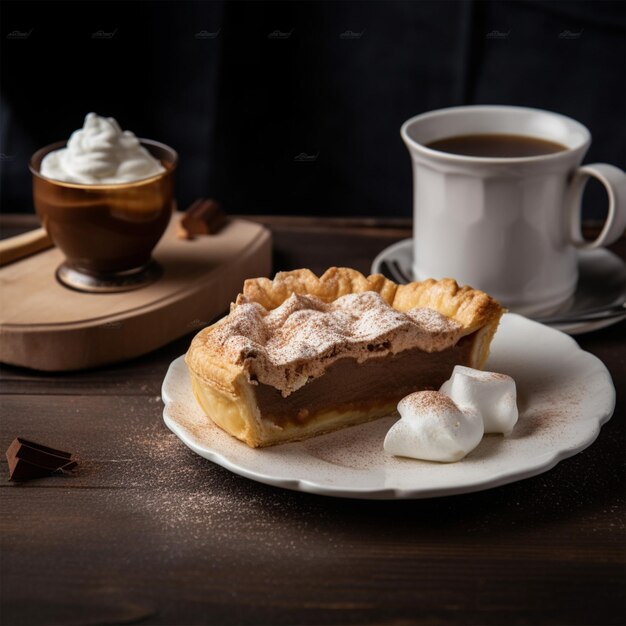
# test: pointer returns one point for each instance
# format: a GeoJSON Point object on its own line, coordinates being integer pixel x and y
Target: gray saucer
{"type": "Point", "coordinates": [601, 286]}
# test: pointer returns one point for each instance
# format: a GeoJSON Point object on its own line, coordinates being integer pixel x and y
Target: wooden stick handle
{"type": "Point", "coordinates": [20, 246]}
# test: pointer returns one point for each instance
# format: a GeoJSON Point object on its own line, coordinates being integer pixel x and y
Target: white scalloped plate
{"type": "Point", "coordinates": [564, 396]}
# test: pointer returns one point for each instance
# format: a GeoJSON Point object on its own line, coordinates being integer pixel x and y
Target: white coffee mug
{"type": "Point", "coordinates": [508, 226]}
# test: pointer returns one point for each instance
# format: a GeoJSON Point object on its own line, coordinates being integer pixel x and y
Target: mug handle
{"type": "Point", "coordinates": [614, 181]}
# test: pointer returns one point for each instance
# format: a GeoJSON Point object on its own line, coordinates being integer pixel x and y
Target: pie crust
{"type": "Point", "coordinates": [232, 397]}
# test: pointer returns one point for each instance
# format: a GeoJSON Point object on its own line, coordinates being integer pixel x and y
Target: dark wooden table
{"type": "Point", "coordinates": [148, 532]}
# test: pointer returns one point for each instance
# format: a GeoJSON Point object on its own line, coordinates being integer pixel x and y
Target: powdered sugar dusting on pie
{"type": "Point", "coordinates": [295, 342]}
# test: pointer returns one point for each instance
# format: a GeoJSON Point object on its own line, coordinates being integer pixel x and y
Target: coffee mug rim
{"type": "Point", "coordinates": [460, 158]}
{"type": "Point", "coordinates": [57, 145]}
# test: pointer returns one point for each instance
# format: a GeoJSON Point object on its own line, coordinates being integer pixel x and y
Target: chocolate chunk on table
{"type": "Point", "coordinates": [28, 459]}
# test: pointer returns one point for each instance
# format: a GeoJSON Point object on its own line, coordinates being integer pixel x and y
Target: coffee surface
{"type": "Point", "coordinates": [496, 145]}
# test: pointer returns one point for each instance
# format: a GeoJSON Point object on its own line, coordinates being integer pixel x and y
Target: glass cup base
{"type": "Point", "coordinates": [110, 282]}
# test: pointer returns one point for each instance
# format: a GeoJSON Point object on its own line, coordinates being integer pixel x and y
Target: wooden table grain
{"type": "Point", "coordinates": [148, 532]}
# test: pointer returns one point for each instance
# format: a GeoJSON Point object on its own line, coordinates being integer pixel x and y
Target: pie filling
{"type": "Point", "coordinates": [350, 386]}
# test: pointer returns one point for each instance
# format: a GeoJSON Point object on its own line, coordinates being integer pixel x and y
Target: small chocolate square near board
{"type": "Point", "coordinates": [28, 460]}
{"type": "Point", "coordinates": [203, 217]}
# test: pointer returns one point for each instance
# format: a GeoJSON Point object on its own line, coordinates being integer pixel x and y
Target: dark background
{"type": "Point", "coordinates": [241, 105]}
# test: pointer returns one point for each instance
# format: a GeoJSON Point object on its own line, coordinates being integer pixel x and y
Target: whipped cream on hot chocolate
{"type": "Point", "coordinates": [296, 342]}
{"type": "Point", "coordinates": [100, 153]}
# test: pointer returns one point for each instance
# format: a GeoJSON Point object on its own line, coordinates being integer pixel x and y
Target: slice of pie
{"type": "Point", "coordinates": [300, 355]}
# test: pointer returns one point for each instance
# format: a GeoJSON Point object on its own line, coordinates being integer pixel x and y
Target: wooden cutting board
{"type": "Point", "coordinates": [46, 326]}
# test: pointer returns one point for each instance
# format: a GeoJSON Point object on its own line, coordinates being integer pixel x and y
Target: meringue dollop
{"type": "Point", "coordinates": [491, 394]}
{"type": "Point", "coordinates": [433, 428]}
{"type": "Point", "coordinates": [448, 424]}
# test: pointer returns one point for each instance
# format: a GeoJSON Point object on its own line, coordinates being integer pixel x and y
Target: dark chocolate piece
{"type": "Point", "coordinates": [203, 217]}
{"type": "Point", "coordinates": [28, 460]}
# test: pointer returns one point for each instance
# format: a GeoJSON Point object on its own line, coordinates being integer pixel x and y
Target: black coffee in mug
{"type": "Point", "coordinates": [496, 146]}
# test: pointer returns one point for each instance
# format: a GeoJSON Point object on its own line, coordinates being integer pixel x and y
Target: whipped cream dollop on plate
{"type": "Point", "coordinates": [100, 153]}
{"type": "Point", "coordinates": [446, 425]}
{"type": "Point", "coordinates": [433, 428]}
{"type": "Point", "coordinates": [492, 394]}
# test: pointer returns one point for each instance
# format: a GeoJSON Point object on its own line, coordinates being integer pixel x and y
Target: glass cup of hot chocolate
{"type": "Point", "coordinates": [105, 198]}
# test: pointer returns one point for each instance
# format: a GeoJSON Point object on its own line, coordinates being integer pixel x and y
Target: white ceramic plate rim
{"type": "Point", "coordinates": [177, 396]}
